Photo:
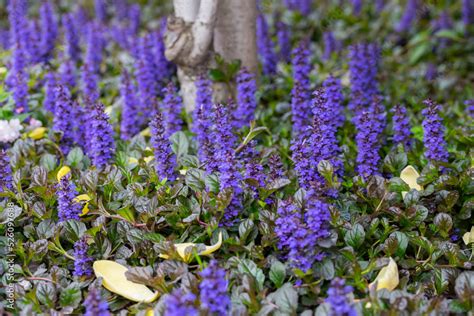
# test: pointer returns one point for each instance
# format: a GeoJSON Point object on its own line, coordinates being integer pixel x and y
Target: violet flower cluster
{"type": "Point", "coordinates": [71, 37]}
{"type": "Point", "coordinates": [67, 72]}
{"type": "Point", "coordinates": [213, 290]}
{"type": "Point", "coordinates": [179, 303]}
{"type": "Point", "coordinates": [363, 65]}
{"type": "Point", "coordinates": [303, 6]}
{"type": "Point", "coordinates": [334, 100]}
{"type": "Point", "coordinates": [225, 160]}
{"type": "Point", "coordinates": [102, 145]}
{"type": "Point", "coordinates": [331, 45]}
{"type": "Point", "coordinates": [265, 47]}
{"type": "Point", "coordinates": [49, 30]}
{"type": "Point", "coordinates": [132, 118]}
{"type": "Point", "coordinates": [401, 126]}
{"type": "Point", "coordinates": [67, 207]}
{"type": "Point", "coordinates": [246, 101]}
{"type": "Point", "coordinates": [82, 261]}
{"type": "Point", "coordinates": [165, 161]}
{"type": "Point", "coordinates": [338, 300]}
{"type": "Point", "coordinates": [146, 74]}
{"type": "Point", "coordinates": [409, 16]}
{"type": "Point", "coordinates": [284, 41]}
{"type": "Point", "coordinates": [49, 91]}
{"type": "Point", "coordinates": [299, 231]}
{"type": "Point", "coordinates": [202, 126]}
{"type": "Point", "coordinates": [301, 92]}
{"type": "Point", "coordinates": [357, 7]}
{"type": "Point", "coordinates": [467, 13]}
{"type": "Point", "coordinates": [433, 133]}
{"type": "Point", "coordinates": [368, 144]}
{"type": "Point", "coordinates": [6, 180]}
{"type": "Point", "coordinates": [64, 118]}
{"type": "Point", "coordinates": [171, 106]}
{"type": "Point", "coordinates": [94, 303]}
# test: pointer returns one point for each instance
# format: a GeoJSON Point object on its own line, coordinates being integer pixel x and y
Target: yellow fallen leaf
{"type": "Point", "coordinates": [183, 171]}
{"type": "Point", "coordinates": [62, 172]}
{"type": "Point", "coordinates": [114, 280]}
{"type": "Point", "coordinates": [108, 110]}
{"type": "Point", "coordinates": [469, 236]}
{"type": "Point", "coordinates": [149, 312]}
{"type": "Point", "coordinates": [37, 133]}
{"type": "Point", "coordinates": [148, 159]}
{"type": "Point", "coordinates": [387, 277]}
{"type": "Point", "coordinates": [181, 249]}
{"type": "Point", "coordinates": [132, 160]}
{"type": "Point", "coordinates": [145, 132]}
{"type": "Point", "coordinates": [83, 198]}
{"type": "Point", "coordinates": [409, 175]}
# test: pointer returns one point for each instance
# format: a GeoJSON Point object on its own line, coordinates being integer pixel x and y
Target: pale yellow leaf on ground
{"type": "Point", "coordinates": [37, 133]}
{"type": "Point", "coordinates": [62, 172]}
{"type": "Point", "coordinates": [469, 236]}
{"type": "Point", "coordinates": [387, 277]}
{"type": "Point", "coordinates": [181, 249]}
{"type": "Point", "coordinates": [409, 175]}
{"type": "Point", "coordinates": [114, 280]}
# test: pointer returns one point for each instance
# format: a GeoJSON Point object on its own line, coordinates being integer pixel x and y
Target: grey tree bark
{"type": "Point", "coordinates": [201, 28]}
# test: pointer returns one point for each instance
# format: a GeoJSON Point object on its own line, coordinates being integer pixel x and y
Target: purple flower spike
{"type": "Point", "coordinates": [331, 45]}
{"type": "Point", "coordinates": [301, 92]}
{"type": "Point", "coordinates": [67, 207]}
{"type": "Point", "coordinates": [433, 133]}
{"type": "Point", "coordinates": [6, 180]}
{"type": "Point", "coordinates": [49, 30]}
{"type": "Point", "coordinates": [146, 73]}
{"type": "Point", "coordinates": [334, 100]}
{"type": "Point", "coordinates": [95, 305]}
{"type": "Point", "coordinates": [265, 47]}
{"type": "Point", "coordinates": [172, 106]}
{"type": "Point", "coordinates": [100, 9]}
{"type": "Point", "coordinates": [467, 13]}
{"type": "Point", "coordinates": [368, 144]}
{"type": "Point", "coordinates": [284, 41]}
{"type": "Point", "coordinates": [101, 141]}
{"type": "Point", "coordinates": [50, 92]}
{"type": "Point", "coordinates": [165, 161]}
{"type": "Point", "coordinates": [179, 303]}
{"type": "Point", "coordinates": [82, 262]}
{"type": "Point", "coordinates": [132, 119]}
{"type": "Point", "coordinates": [363, 67]}
{"type": "Point", "coordinates": [338, 300]}
{"type": "Point", "coordinates": [409, 16]}
{"type": "Point", "coordinates": [213, 290]}
{"type": "Point", "coordinates": [71, 36]}
{"type": "Point", "coordinates": [67, 72]}
{"type": "Point", "coordinates": [64, 118]}
{"type": "Point", "coordinates": [202, 126]}
{"type": "Point", "coordinates": [357, 7]}
{"type": "Point", "coordinates": [401, 126]}
{"type": "Point", "coordinates": [246, 102]}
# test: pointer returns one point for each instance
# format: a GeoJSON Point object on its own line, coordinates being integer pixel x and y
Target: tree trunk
{"type": "Point", "coordinates": [201, 28]}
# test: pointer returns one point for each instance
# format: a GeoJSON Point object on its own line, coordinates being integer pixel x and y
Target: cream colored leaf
{"type": "Point", "coordinates": [62, 172]}
{"type": "Point", "coordinates": [114, 280]}
{"type": "Point", "coordinates": [387, 277]}
{"type": "Point", "coordinates": [469, 236]}
{"type": "Point", "coordinates": [181, 249]}
{"type": "Point", "coordinates": [409, 175]}
{"type": "Point", "coordinates": [37, 133]}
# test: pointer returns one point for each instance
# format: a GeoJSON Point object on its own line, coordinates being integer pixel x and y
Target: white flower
{"type": "Point", "coordinates": [10, 131]}
{"type": "Point", "coordinates": [34, 123]}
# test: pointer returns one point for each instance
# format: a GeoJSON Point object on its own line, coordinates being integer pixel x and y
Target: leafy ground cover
{"type": "Point", "coordinates": [338, 182]}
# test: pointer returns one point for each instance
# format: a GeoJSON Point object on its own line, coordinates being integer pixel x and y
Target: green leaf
{"type": "Point", "coordinates": [249, 267]}
{"type": "Point", "coordinates": [195, 179]}
{"type": "Point", "coordinates": [355, 237]}
{"type": "Point", "coordinates": [74, 229]}
{"type": "Point", "coordinates": [70, 296]}
{"type": "Point", "coordinates": [180, 144]}
{"type": "Point", "coordinates": [396, 184]}
{"type": "Point", "coordinates": [217, 75]}
{"type": "Point", "coordinates": [286, 298]}
{"type": "Point", "coordinates": [277, 273]}
{"type": "Point", "coordinates": [75, 156]}
{"type": "Point", "coordinates": [46, 293]}
{"type": "Point", "coordinates": [48, 161]}
{"type": "Point", "coordinates": [418, 52]}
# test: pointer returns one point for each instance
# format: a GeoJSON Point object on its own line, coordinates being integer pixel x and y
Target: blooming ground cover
{"type": "Point", "coordinates": [336, 182]}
